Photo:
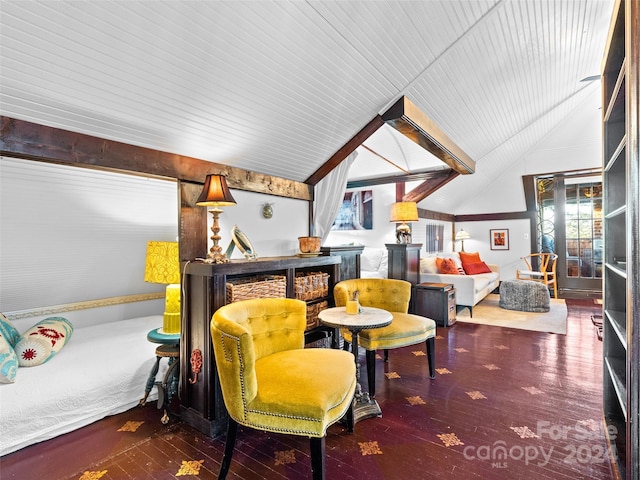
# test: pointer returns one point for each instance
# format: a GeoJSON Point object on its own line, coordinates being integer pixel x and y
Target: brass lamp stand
{"type": "Point", "coordinates": [216, 194]}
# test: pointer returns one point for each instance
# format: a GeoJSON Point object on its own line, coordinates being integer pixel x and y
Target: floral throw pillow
{"type": "Point", "coordinates": [8, 331]}
{"type": "Point", "coordinates": [8, 361]}
{"type": "Point", "coordinates": [42, 341]}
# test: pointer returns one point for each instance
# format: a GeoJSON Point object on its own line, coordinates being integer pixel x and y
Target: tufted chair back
{"type": "Point", "coordinates": [388, 294]}
{"type": "Point", "coordinates": [244, 332]}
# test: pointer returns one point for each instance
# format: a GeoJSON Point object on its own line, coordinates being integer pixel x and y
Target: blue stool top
{"type": "Point", "coordinates": [158, 336]}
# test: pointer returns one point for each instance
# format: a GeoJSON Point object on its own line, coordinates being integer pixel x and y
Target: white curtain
{"type": "Point", "coordinates": [329, 193]}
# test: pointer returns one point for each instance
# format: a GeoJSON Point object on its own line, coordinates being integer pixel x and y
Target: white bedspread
{"type": "Point", "coordinates": [101, 371]}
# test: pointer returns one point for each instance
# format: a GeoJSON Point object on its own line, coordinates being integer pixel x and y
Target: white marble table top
{"type": "Point", "coordinates": [368, 317]}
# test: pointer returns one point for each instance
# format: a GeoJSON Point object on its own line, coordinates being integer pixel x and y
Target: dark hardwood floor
{"type": "Point", "coordinates": [505, 404]}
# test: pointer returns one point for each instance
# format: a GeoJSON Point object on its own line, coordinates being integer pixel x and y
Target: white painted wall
{"type": "Point", "coordinates": [574, 145]}
{"type": "Point", "coordinates": [508, 260]}
{"type": "Point", "coordinates": [271, 237]}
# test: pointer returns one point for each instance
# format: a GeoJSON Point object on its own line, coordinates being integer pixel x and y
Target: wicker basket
{"type": "Point", "coordinates": [311, 285]}
{"type": "Point", "coordinates": [312, 313]}
{"type": "Point", "coordinates": [263, 286]}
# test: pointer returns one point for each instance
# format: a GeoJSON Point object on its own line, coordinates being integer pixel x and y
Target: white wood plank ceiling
{"type": "Point", "coordinates": [279, 86]}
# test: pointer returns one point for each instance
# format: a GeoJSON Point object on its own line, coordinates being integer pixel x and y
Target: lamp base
{"type": "Point", "coordinates": [216, 258]}
{"type": "Point", "coordinates": [403, 233]}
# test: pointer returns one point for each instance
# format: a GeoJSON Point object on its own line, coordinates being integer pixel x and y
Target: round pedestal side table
{"type": "Point", "coordinates": [169, 347]}
{"type": "Point", "coordinates": [367, 317]}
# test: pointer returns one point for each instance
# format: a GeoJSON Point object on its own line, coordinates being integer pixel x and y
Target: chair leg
{"type": "Point", "coordinates": [371, 372]}
{"type": "Point", "coordinates": [349, 415]}
{"type": "Point", "coordinates": [230, 443]}
{"type": "Point", "coordinates": [317, 458]}
{"type": "Point", "coordinates": [431, 347]}
{"type": "Point", "coordinates": [386, 356]}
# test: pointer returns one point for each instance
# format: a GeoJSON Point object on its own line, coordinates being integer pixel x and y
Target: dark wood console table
{"type": "Point", "coordinates": [201, 403]}
{"type": "Point", "coordinates": [350, 265]}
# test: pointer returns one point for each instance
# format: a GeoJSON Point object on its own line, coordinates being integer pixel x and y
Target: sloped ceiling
{"type": "Point", "coordinates": [279, 86]}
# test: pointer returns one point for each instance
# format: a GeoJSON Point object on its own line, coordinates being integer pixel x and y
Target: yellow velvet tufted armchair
{"type": "Point", "coordinates": [270, 382]}
{"type": "Point", "coordinates": [405, 329]}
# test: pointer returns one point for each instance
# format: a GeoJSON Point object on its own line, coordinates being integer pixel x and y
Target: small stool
{"type": "Point", "coordinates": [524, 296]}
{"type": "Point", "coordinates": [168, 387]}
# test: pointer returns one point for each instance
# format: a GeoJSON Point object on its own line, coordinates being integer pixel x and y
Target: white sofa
{"type": "Point", "coordinates": [374, 262]}
{"type": "Point", "coordinates": [470, 289]}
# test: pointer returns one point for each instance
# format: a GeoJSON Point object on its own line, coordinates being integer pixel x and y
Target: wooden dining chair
{"type": "Point", "coordinates": [541, 267]}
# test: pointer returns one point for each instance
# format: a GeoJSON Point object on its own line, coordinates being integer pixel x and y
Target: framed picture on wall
{"type": "Point", "coordinates": [499, 238]}
{"type": "Point", "coordinates": [356, 212]}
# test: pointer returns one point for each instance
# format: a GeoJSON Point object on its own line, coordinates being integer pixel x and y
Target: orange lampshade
{"type": "Point", "coordinates": [404, 212]}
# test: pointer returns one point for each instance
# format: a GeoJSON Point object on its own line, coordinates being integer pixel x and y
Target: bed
{"type": "Point", "coordinates": [102, 370]}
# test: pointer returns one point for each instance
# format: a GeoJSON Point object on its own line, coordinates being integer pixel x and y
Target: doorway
{"type": "Point", "coordinates": [569, 223]}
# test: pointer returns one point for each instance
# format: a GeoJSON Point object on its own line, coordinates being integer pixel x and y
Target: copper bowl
{"type": "Point", "coordinates": [309, 244]}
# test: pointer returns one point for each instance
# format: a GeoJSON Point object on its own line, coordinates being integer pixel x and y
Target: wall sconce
{"type": "Point", "coordinates": [216, 194]}
{"type": "Point", "coordinates": [462, 236]}
{"type": "Point", "coordinates": [404, 212]}
{"type": "Point", "coordinates": [162, 265]}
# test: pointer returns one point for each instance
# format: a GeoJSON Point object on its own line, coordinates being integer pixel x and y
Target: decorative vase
{"type": "Point", "coordinates": [309, 244]}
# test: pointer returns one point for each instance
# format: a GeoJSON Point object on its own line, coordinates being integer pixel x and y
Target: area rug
{"type": "Point", "coordinates": [488, 312]}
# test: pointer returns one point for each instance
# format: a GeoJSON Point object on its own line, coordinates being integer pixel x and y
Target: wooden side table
{"type": "Point", "coordinates": [436, 301]}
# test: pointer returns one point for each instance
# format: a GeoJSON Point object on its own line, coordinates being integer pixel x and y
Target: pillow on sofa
{"type": "Point", "coordinates": [475, 268]}
{"type": "Point", "coordinates": [469, 257]}
{"type": "Point", "coordinates": [8, 361]}
{"type": "Point", "coordinates": [8, 331]}
{"type": "Point", "coordinates": [428, 265]}
{"type": "Point", "coordinates": [447, 266]}
{"type": "Point", "coordinates": [370, 259]}
{"type": "Point", "coordinates": [42, 341]}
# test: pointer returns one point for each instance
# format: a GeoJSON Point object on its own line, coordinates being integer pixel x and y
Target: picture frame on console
{"type": "Point", "coordinates": [499, 238]}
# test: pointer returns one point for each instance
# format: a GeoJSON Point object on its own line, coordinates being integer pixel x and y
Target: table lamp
{"type": "Point", "coordinates": [216, 194]}
{"type": "Point", "coordinates": [163, 266]}
{"type": "Point", "coordinates": [462, 236]}
{"type": "Point", "coordinates": [404, 212]}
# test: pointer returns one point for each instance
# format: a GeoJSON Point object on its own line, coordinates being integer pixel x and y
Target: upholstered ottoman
{"type": "Point", "coordinates": [525, 296]}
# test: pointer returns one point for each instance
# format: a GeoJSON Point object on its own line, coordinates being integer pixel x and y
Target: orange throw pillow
{"type": "Point", "coordinates": [474, 268]}
{"type": "Point", "coordinates": [469, 257]}
{"type": "Point", "coordinates": [447, 266]}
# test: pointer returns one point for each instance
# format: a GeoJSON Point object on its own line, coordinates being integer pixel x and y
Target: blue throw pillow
{"type": "Point", "coordinates": [42, 341]}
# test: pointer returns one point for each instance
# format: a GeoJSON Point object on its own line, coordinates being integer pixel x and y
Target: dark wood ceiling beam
{"type": "Point", "coordinates": [345, 151]}
{"type": "Point", "coordinates": [429, 186]}
{"type": "Point", "coordinates": [38, 142]}
{"type": "Point", "coordinates": [486, 217]}
{"type": "Point", "coordinates": [411, 177]}
{"type": "Point", "coordinates": [431, 215]}
{"type": "Point", "coordinates": [409, 120]}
